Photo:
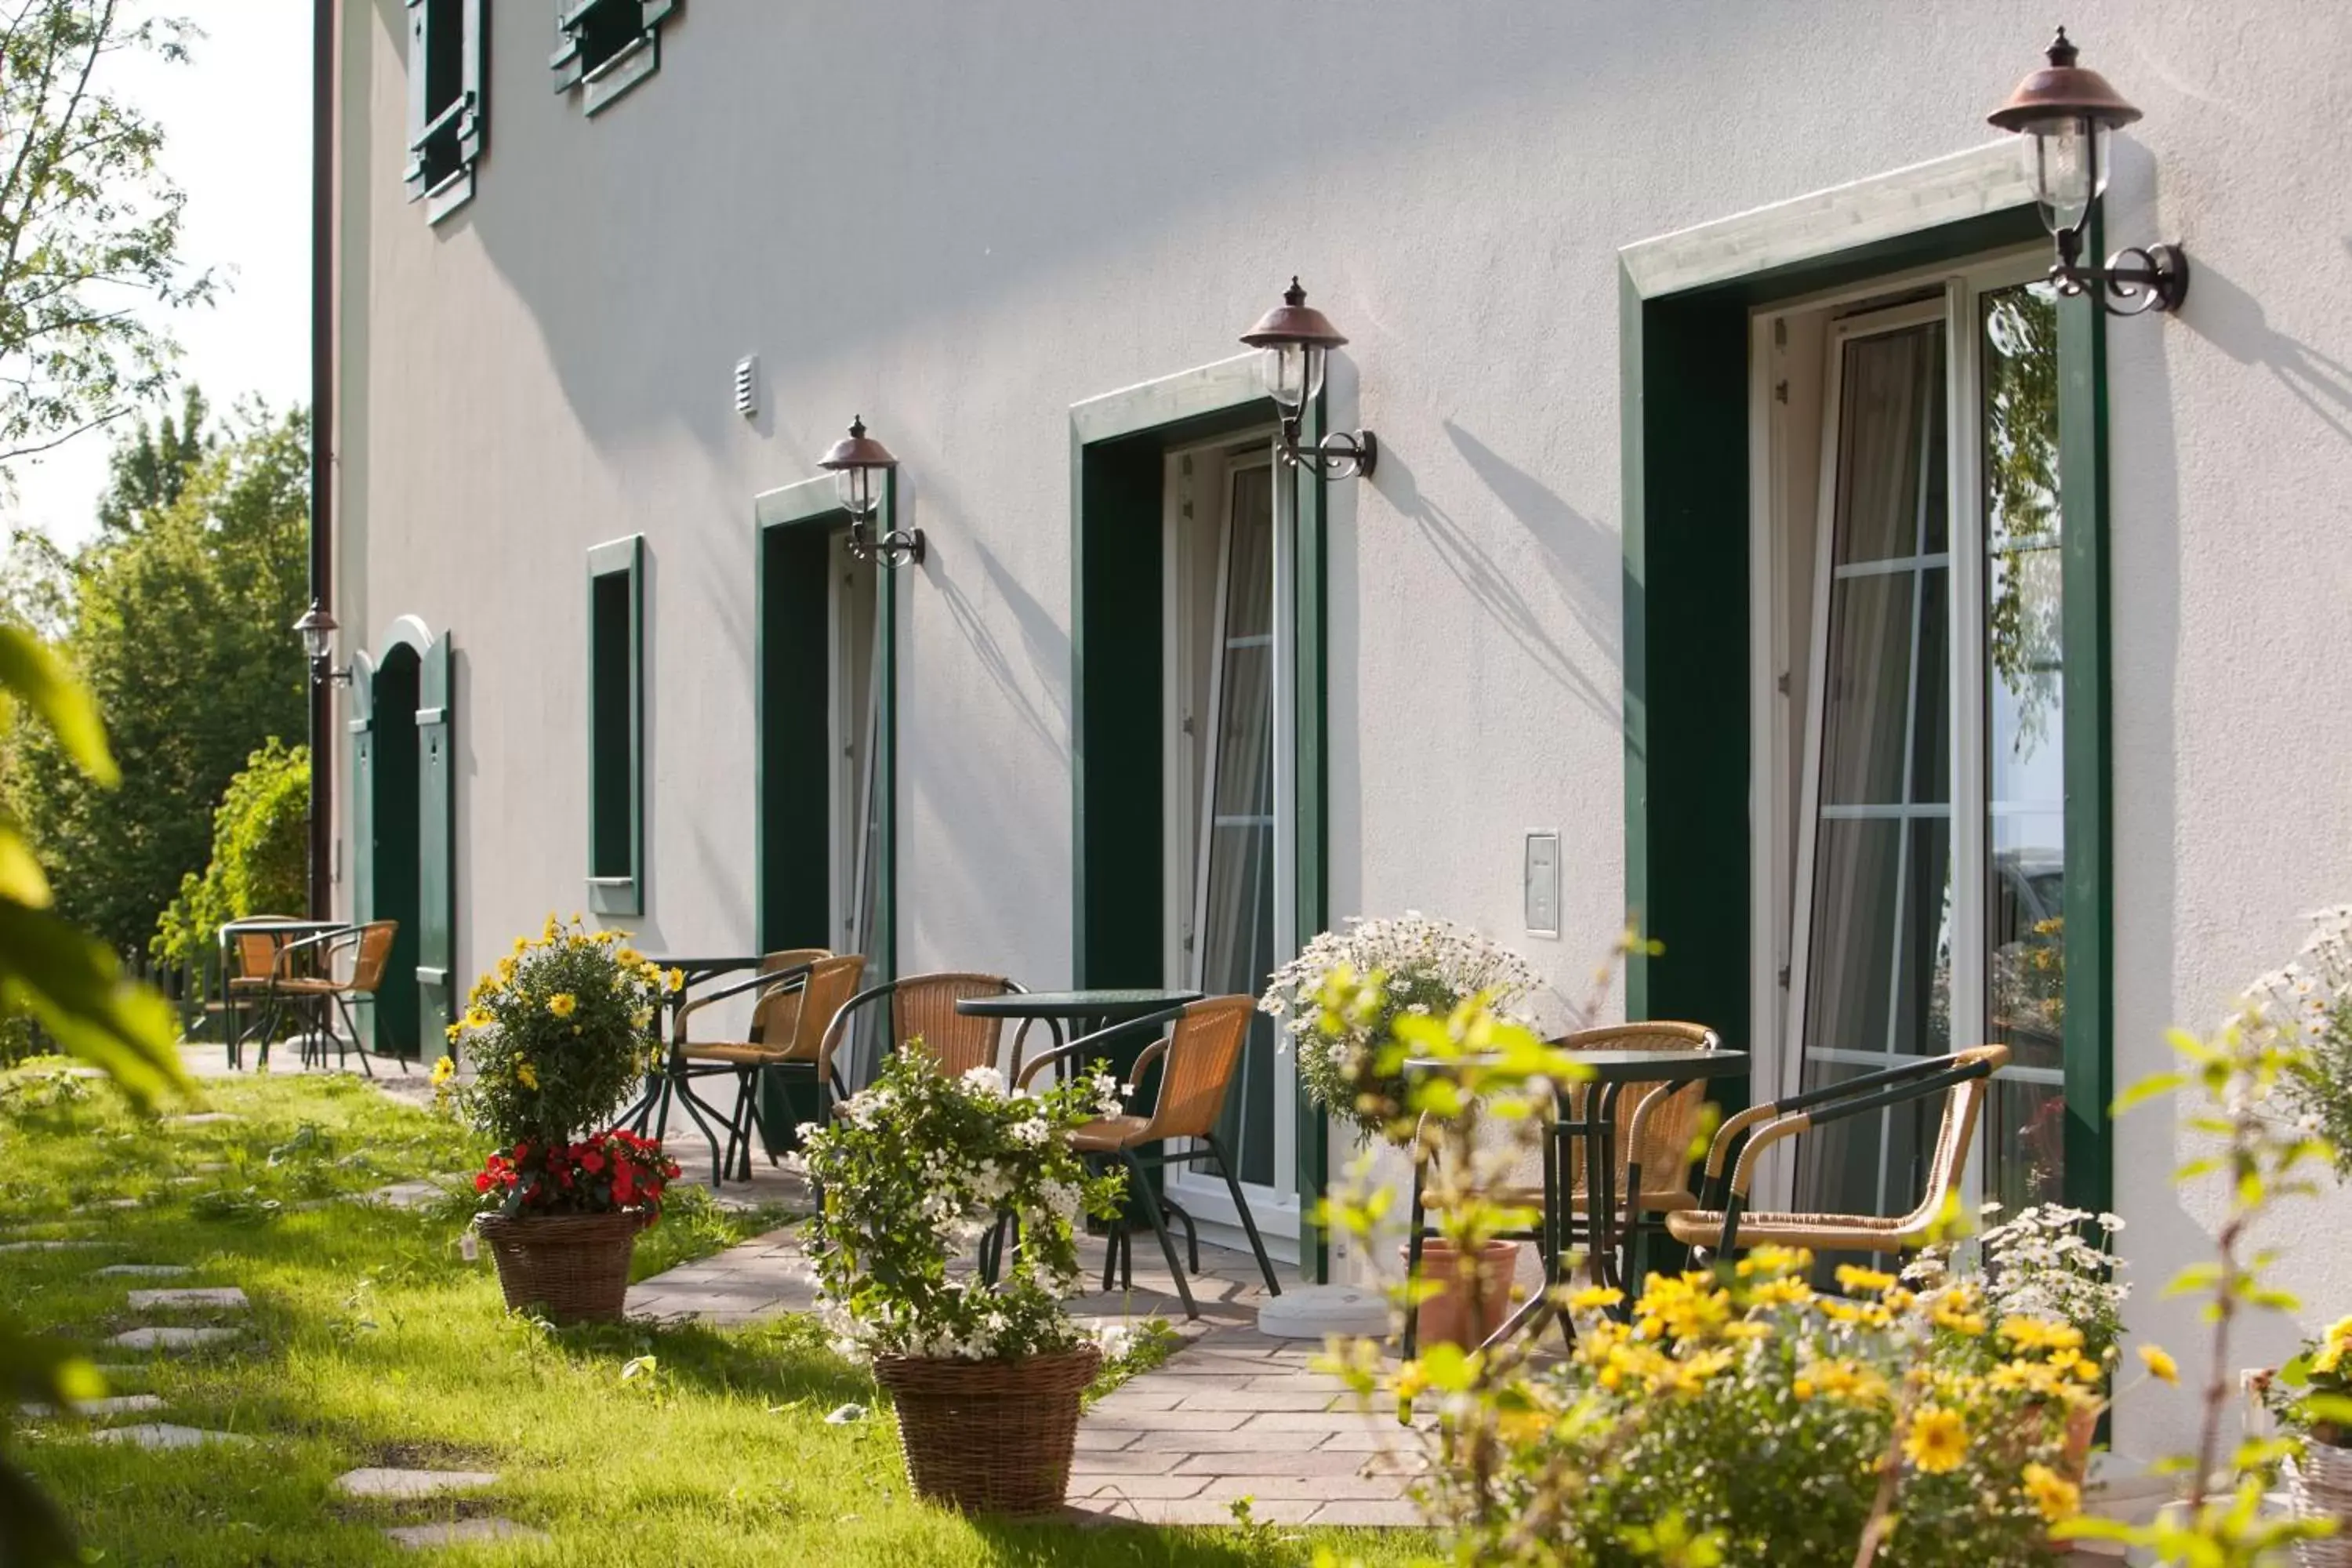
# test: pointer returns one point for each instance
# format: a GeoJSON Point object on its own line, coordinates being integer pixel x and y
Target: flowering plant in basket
{"type": "Point", "coordinates": [914, 1171]}
{"type": "Point", "coordinates": [1341, 998]}
{"type": "Point", "coordinates": [559, 1034]}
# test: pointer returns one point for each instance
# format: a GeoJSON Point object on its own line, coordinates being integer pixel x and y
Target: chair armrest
{"type": "Point", "coordinates": [1728, 1137]}
{"type": "Point", "coordinates": [326, 941]}
{"type": "Point", "coordinates": [1047, 1059]}
{"type": "Point", "coordinates": [1150, 1054]}
{"type": "Point", "coordinates": [1888, 1090]}
{"type": "Point", "coordinates": [761, 983]}
{"type": "Point", "coordinates": [1133, 1026]}
{"type": "Point", "coordinates": [831, 1041]}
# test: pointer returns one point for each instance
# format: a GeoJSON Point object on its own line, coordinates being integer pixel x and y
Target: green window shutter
{"type": "Point", "coordinates": [448, 103]}
{"type": "Point", "coordinates": [436, 848]}
{"type": "Point", "coordinates": [362, 808]}
{"type": "Point", "coordinates": [606, 46]}
{"type": "Point", "coordinates": [616, 832]}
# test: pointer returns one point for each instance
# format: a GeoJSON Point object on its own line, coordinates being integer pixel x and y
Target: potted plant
{"type": "Point", "coordinates": [2040, 1264]}
{"type": "Point", "coordinates": [1338, 1003]}
{"type": "Point", "coordinates": [2311, 1395]}
{"type": "Point", "coordinates": [987, 1377]}
{"type": "Point", "coordinates": [558, 1036]}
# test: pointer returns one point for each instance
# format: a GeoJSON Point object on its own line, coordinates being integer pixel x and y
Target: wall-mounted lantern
{"type": "Point", "coordinates": [860, 467]}
{"type": "Point", "coordinates": [317, 629]}
{"type": "Point", "coordinates": [2065, 112]}
{"type": "Point", "coordinates": [1293, 339]}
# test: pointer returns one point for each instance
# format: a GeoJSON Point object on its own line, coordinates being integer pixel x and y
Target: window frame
{"type": "Point", "coordinates": [606, 81]}
{"type": "Point", "coordinates": [608, 893]}
{"type": "Point", "coordinates": [463, 119]}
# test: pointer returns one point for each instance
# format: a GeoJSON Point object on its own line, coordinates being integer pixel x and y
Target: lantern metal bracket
{"type": "Point", "coordinates": [895, 549]}
{"type": "Point", "coordinates": [1340, 455]}
{"type": "Point", "coordinates": [2136, 280]}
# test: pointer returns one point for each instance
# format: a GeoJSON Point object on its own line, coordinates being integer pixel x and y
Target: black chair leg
{"type": "Point", "coordinates": [1159, 1228]}
{"type": "Point", "coordinates": [1416, 1232]}
{"type": "Point", "coordinates": [1249, 1224]}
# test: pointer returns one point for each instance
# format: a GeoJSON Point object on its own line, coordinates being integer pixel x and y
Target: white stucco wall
{"type": "Point", "coordinates": [959, 220]}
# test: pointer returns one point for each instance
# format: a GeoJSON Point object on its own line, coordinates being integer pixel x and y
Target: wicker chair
{"type": "Point", "coordinates": [1198, 1060]}
{"type": "Point", "coordinates": [1652, 1152]}
{"type": "Point", "coordinates": [371, 947]}
{"type": "Point", "coordinates": [792, 1006]}
{"type": "Point", "coordinates": [771, 1016]}
{"type": "Point", "coordinates": [923, 1007]}
{"type": "Point", "coordinates": [1963, 1079]}
{"type": "Point", "coordinates": [244, 999]}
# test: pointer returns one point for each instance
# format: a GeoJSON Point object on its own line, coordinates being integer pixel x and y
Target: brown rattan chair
{"type": "Point", "coordinates": [1197, 1059]}
{"type": "Point", "coordinates": [325, 996]}
{"type": "Point", "coordinates": [923, 1007]}
{"type": "Point", "coordinates": [1653, 1150]}
{"type": "Point", "coordinates": [776, 1004]}
{"type": "Point", "coordinates": [1963, 1079]}
{"type": "Point", "coordinates": [790, 1041]}
{"type": "Point", "coordinates": [244, 999]}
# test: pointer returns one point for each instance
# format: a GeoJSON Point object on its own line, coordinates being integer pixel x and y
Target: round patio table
{"type": "Point", "coordinates": [696, 970]}
{"type": "Point", "coordinates": [1594, 1125]}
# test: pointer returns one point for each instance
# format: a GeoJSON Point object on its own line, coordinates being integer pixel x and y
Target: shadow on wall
{"type": "Point", "coordinates": [1567, 541]}
{"type": "Point", "coordinates": [2232, 320]}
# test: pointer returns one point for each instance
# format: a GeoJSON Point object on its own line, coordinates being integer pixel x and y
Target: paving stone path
{"type": "Point", "coordinates": [227, 1296]}
{"type": "Point", "coordinates": [98, 1409]}
{"type": "Point", "coordinates": [151, 1338]}
{"type": "Point", "coordinates": [51, 1245]}
{"type": "Point", "coordinates": [142, 1271]}
{"type": "Point", "coordinates": [463, 1533]}
{"type": "Point", "coordinates": [162, 1434]}
{"type": "Point", "coordinates": [407, 1485]}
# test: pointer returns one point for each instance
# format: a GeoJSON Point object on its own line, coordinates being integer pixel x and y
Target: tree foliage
{"type": "Point", "coordinates": [260, 854]}
{"type": "Point", "coordinates": [178, 624]}
{"type": "Point", "coordinates": [89, 226]}
{"type": "Point", "coordinates": [147, 472]}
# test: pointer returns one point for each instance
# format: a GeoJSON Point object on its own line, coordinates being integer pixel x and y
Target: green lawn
{"type": "Point", "coordinates": [371, 1341]}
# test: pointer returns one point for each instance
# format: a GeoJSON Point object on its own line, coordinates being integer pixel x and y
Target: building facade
{"type": "Point", "coordinates": [1756, 543]}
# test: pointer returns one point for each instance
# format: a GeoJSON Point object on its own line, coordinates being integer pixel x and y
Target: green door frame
{"type": "Point", "coordinates": [422, 948]}
{"type": "Point", "coordinates": [808, 513]}
{"type": "Point", "coordinates": [1684, 303]}
{"type": "Point", "coordinates": [1117, 442]}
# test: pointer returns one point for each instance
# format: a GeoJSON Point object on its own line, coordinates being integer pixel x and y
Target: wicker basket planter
{"type": "Point", "coordinates": [989, 1436]}
{"type": "Point", "coordinates": [574, 1267]}
{"type": "Point", "coordinates": [2319, 1485]}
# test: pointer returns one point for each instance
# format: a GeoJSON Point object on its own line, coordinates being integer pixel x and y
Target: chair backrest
{"type": "Point", "coordinates": [1203, 1050]}
{"type": "Point", "coordinates": [773, 1015]}
{"type": "Point", "coordinates": [1958, 1133]}
{"type": "Point", "coordinates": [257, 951]}
{"type": "Point", "coordinates": [374, 953]}
{"type": "Point", "coordinates": [1665, 1153]}
{"type": "Point", "coordinates": [831, 982]}
{"type": "Point", "coordinates": [924, 1005]}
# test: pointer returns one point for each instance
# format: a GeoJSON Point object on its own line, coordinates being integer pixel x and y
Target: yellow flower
{"type": "Point", "coordinates": [1410, 1381]}
{"type": "Point", "coordinates": [2159, 1364]}
{"type": "Point", "coordinates": [2334, 1343]}
{"type": "Point", "coordinates": [1937, 1441]}
{"type": "Point", "coordinates": [1594, 1297]}
{"type": "Point", "coordinates": [477, 1018]}
{"type": "Point", "coordinates": [527, 1075]}
{"type": "Point", "coordinates": [628, 956]}
{"type": "Point", "coordinates": [1953, 1311]}
{"type": "Point", "coordinates": [2057, 1498]}
{"type": "Point", "coordinates": [1787, 1290]}
{"type": "Point", "coordinates": [677, 979]}
{"type": "Point", "coordinates": [1683, 1308]}
{"type": "Point", "coordinates": [1863, 1281]}
{"type": "Point", "coordinates": [1802, 1388]}
{"type": "Point", "coordinates": [452, 1031]}
{"type": "Point", "coordinates": [549, 933]}
{"type": "Point", "coordinates": [1869, 1313]}
{"type": "Point", "coordinates": [562, 1003]}
{"type": "Point", "coordinates": [1776, 1260]}
{"type": "Point", "coordinates": [521, 946]}
{"type": "Point", "coordinates": [2041, 1334]}
{"type": "Point", "coordinates": [1847, 1380]}
{"type": "Point", "coordinates": [443, 1071]}
{"type": "Point", "coordinates": [506, 971]}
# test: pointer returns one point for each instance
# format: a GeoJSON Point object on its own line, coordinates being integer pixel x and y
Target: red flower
{"type": "Point", "coordinates": [591, 1161]}
{"type": "Point", "coordinates": [482, 1182]}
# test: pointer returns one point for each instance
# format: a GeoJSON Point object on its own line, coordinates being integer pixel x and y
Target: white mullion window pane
{"type": "Point", "coordinates": [2025, 949]}
{"type": "Point", "coordinates": [1879, 950]}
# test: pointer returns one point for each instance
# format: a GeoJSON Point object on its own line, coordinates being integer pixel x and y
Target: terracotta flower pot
{"type": "Point", "coordinates": [989, 1436]}
{"type": "Point", "coordinates": [1445, 1317]}
{"type": "Point", "coordinates": [573, 1268]}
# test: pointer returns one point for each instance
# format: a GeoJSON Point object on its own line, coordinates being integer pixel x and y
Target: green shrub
{"type": "Point", "coordinates": [260, 855]}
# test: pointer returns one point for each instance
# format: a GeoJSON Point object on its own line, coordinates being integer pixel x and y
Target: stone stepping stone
{"type": "Point", "coordinates": [410, 1484]}
{"type": "Point", "coordinates": [207, 1118]}
{"type": "Point", "coordinates": [123, 1204]}
{"type": "Point", "coordinates": [227, 1296]}
{"type": "Point", "coordinates": [169, 1339]}
{"type": "Point", "coordinates": [119, 1405]}
{"type": "Point", "coordinates": [403, 1194]}
{"type": "Point", "coordinates": [164, 1435]}
{"type": "Point", "coordinates": [142, 1271]}
{"type": "Point", "coordinates": [50, 1246]}
{"type": "Point", "coordinates": [463, 1533]}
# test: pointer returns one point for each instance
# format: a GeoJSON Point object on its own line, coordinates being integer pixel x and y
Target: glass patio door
{"type": "Point", "coordinates": [1229, 647]}
{"type": "Point", "coordinates": [1931, 846]}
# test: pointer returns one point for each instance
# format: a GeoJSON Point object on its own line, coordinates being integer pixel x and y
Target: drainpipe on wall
{"type": "Point", "coordinates": [323, 465]}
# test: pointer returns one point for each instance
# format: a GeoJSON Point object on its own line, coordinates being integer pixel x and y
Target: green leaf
{"type": "Point", "coordinates": [2148, 1089]}
{"type": "Point", "coordinates": [75, 987]}
{"type": "Point", "coordinates": [36, 678]}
